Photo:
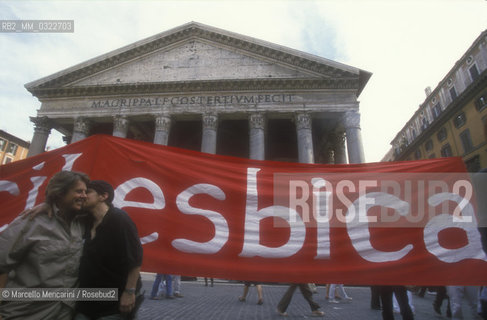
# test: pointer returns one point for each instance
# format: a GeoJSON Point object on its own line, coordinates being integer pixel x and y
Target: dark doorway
{"type": "Point", "coordinates": [101, 128]}
{"type": "Point", "coordinates": [233, 138]}
{"type": "Point", "coordinates": [186, 135]}
{"type": "Point", "coordinates": [281, 142]}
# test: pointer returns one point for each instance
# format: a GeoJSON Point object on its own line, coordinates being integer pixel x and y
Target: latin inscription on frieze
{"type": "Point", "coordinates": [145, 102]}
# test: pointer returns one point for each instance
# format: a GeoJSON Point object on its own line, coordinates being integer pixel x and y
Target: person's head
{"type": "Point", "coordinates": [99, 191]}
{"type": "Point", "coordinates": [67, 190]}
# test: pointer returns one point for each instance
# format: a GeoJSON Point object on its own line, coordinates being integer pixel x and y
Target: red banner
{"type": "Point", "coordinates": [216, 216]}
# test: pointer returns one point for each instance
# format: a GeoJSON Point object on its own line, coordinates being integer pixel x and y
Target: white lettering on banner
{"type": "Point", "coordinates": [37, 182]}
{"type": "Point", "coordinates": [132, 184]}
{"type": "Point", "coordinates": [437, 187]}
{"type": "Point", "coordinates": [394, 188]}
{"type": "Point", "coordinates": [31, 199]}
{"type": "Point", "coordinates": [341, 185]}
{"type": "Point", "coordinates": [39, 166]}
{"type": "Point", "coordinates": [301, 202]}
{"type": "Point", "coordinates": [221, 226]}
{"type": "Point", "coordinates": [13, 189]}
{"type": "Point", "coordinates": [321, 213]}
{"type": "Point", "coordinates": [319, 208]}
{"type": "Point", "coordinates": [472, 250]}
{"type": "Point", "coordinates": [358, 229]}
{"type": "Point", "coordinates": [356, 217]}
{"type": "Point", "coordinates": [69, 160]}
{"type": "Point", "coordinates": [368, 202]}
{"type": "Point", "coordinates": [252, 246]}
{"type": "Point", "coordinates": [149, 238]}
{"type": "Point", "coordinates": [10, 187]}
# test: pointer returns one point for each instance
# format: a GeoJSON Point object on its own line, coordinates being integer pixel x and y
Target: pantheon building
{"type": "Point", "coordinates": [211, 90]}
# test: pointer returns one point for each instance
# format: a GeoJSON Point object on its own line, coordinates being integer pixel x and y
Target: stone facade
{"type": "Point", "coordinates": [211, 90]}
{"type": "Point", "coordinates": [452, 120]}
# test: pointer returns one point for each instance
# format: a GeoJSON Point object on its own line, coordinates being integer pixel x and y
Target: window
{"type": "Point", "coordinates": [453, 93]}
{"type": "Point", "coordinates": [12, 148]}
{"type": "Point", "coordinates": [3, 143]}
{"type": "Point", "coordinates": [474, 72]}
{"type": "Point", "coordinates": [441, 135]}
{"type": "Point", "coordinates": [417, 154]}
{"type": "Point", "coordinates": [466, 141]}
{"type": "Point", "coordinates": [436, 110]}
{"type": "Point", "coordinates": [473, 164]}
{"type": "Point", "coordinates": [428, 145]}
{"type": "Point", "coordinates": [7, 160]}
{"type": "Point", "coordinates": [397, 151]}
{"type": "Point", "coordinates": [446, 151]}
{"type": "Point", "coordinates": [481, 102]}
{"type": "Point", "coordinates": [424, 124]}
{"type": "Point", "coordinates": [413, 134]}
{"type": "Point", "coordinates": [460, 120]}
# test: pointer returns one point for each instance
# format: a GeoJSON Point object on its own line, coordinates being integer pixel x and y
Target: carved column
{"type": "Point", "coordinates": [163, 126]}
{"type": "Point", "coordinates": [42, 130]}
{"type": "Point", "coordinates": [210, 126]}
{"type": "Point", "coordinates": [257, 136]}
{"type": "Point", "coordinates": [305, 138]}
{"type": "Point", "coordinates": [81, 129]}
{"type": "Point", "coordinates": [120, 126]}
{"type": "Point", "coordinates": [354, 137]}
{"type": "Point", "coordinates": [339, 147]}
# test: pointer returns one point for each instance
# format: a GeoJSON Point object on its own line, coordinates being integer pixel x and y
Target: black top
{"type": "Point", "coordinates": [107, 260]}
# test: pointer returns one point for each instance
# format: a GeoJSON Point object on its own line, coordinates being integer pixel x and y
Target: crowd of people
{"type": "Point", "coordinates": [389, 300]}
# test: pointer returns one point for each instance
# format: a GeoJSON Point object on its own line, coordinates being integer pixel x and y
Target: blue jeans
{"type": "Point", "coordinates": [157, 282]}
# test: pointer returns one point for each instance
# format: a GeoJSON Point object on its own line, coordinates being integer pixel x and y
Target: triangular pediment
{"type": "Point", "coordinates": [194, 53]}
{"type": "Point", "coordinates": [193, 60]}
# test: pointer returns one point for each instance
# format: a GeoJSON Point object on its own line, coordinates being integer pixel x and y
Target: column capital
{"type": "Point", "coordinates": [120, 121]}
{"type": "Point", "coordinates": [41, 124]}
{"type": "Point", "coordinates": [210, 120]}
{"type": "Point", "coordinates": [257, 120]}
{"type": "Point", "coordinates": [163, 122]}
{"type": "Point", "coordinates": [352, 119]}
{"type": "Point", "coordinates": [120, 126]}
{"type": "Point", "coordinates": [42, 130]}
{"type": "Point", "coordinates": [303, 120]}
{"type": "Point", "coordinates": [81, 125]}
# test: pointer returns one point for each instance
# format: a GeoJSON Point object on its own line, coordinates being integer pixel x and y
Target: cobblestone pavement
{"type": "Point", "coordinates": [221, 302]}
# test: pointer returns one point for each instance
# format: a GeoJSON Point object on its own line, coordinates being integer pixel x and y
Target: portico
{"type": "Point", "coordinates": [210, 90]}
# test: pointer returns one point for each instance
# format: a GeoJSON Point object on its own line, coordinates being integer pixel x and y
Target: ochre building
{"type": "Point", "coordinates": [12, 148]}
{"type": "Point", "coordinates": [453, 118]}
{"type": "Point", "coordinates": [206, 89]}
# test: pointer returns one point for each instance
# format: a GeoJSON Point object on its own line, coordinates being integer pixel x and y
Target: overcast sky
{"type": "Point", "coordinates": [407, 45]}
